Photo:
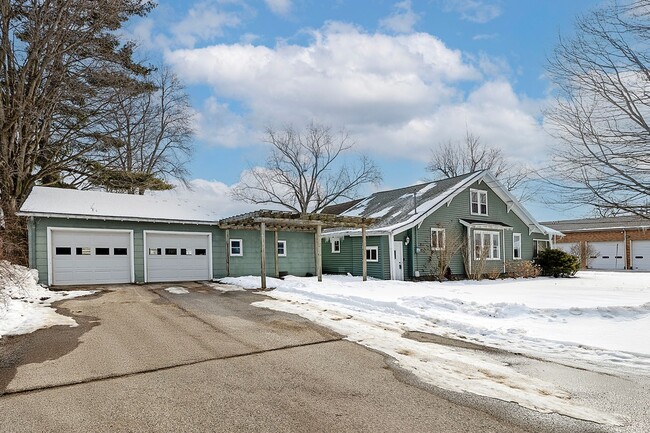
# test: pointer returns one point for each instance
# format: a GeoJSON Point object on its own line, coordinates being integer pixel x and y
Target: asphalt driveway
{"type": "Point", "coordinates": [143, 359]}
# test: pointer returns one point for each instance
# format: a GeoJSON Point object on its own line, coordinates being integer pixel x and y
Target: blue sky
{"type": "Point", "coordinates": [399, 76]}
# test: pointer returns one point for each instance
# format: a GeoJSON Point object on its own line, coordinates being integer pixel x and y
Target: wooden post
{"type": "Point", "coordinates": [227, 252]}
{"type": "Point", "coordinates": [277, 264]}
{"type": "Point", "coordinates": [263, 254]}
{"type": "Point", "coordinates": [318, 255]}
{"type": "Point", "coordinates": [364, 260]}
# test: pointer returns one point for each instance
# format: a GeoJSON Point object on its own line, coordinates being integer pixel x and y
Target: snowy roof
{"type": "Point", "coordinates": [606, 223]}
{"type": "Point", "coordinates": [168, 206]}
{"type": "Point", "coordinates": [400, 207]}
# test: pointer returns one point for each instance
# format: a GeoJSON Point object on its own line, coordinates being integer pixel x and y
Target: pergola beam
{"type": "Point", "coordinates": [263, 255]}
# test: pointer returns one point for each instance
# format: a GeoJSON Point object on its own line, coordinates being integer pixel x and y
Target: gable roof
{"type": "Point", "coordinates": [72, 203]}
{"type": "Point", "coordinates": [605, 223]}
{"type": "Point", "coordinates": [400, 209]}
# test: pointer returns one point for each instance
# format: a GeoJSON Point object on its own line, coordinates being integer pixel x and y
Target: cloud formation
{"type": "Point", "coordinates": [478, 11]}
{"type": "Point", "coordinates": [398, 95]}
{"type": "Point", "coordinates": [279, 7]}
{"type": "Point", "coordinates": [403, 20]}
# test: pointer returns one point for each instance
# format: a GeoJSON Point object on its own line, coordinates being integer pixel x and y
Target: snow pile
{"type": "Point", "coordinates": [25, 305]}
{"type": "Point", "coordinates": [593, 321]}
{"type": "Point", "coordinates": [177, 290]}
{"type": "Point", "coordinates": [224, 286]}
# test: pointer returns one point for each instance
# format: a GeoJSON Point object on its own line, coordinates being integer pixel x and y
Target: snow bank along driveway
{"type": "Point", "coordinates": [25, 305]}
{"type": "Point", "coordinates": [598, 320]}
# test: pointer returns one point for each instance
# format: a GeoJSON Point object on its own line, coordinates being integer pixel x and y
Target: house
{"type": "Point", "coordinates": [471, 221]}
{"type": "Point", "coordinates": [93, 237]}
{"type": "Point", "coordinates": [621, 242]}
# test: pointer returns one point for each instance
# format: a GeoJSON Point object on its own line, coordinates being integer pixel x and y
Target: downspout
{"type": "Point", "coordinates": [470, 253]}
{"type": "Point", "coordinates": [503, 231]}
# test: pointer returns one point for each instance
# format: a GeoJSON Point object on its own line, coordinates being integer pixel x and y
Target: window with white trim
{"type": "Point", "coordinates": [516, 246]}
{"type": "Point", "coordinates": [236, 247]}
{"type": "Point", "coordinates": [282, 248]}
{"type": "Point", "coordinates": [372, 254]}
{"type": "Point", "coordinates": [478, 202]}
{"type": "Point", "coordinates": [437, 239]}
{"type": "Point", "coordinates": [336, 246]}
{"type": "Point", "coordinates": [540, 245]}
{"type": "Point", "coordinates": [487, 245]}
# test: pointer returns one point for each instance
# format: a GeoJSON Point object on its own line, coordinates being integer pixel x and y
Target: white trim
{"type": "Point", "coordinates": [391, 259]}
{"type": "Point", "coordinates": [241, 248]}
{"type": "Point", "coordinates": [333, 241]}
{"type": "Point", "coordinates": [170, 232]}
{"type": "Point", "coordinates": [377, 254]}
{"type": "Point", "coordinates": [281, 241]}
{"type": "Point", "coordinates": [444, 240]}
{"type": "Point", "coordinates": [115, 218]}
{"type": "Point", "coordinates": [491, 246]}
{"type": "Point", "coordinates": [479, 193]}
{"type": "Point", "coordinates": [50, 260]}
{"type": "Point", "coordinates": [513, 246]}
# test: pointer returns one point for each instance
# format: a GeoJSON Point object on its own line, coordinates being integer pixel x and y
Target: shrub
{"type": "Point", "coordinates": [522, 269]}
{"type": "Point", "coordinates": [557, 263]}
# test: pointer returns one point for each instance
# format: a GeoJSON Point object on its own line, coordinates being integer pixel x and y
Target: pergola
{"type": "Point", "coordinates": [277, 221]}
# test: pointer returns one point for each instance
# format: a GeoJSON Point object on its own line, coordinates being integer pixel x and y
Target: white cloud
{"type": "Point", "coordinates": [403, 20]}
{"type": "Point", "coordinates": [478, 11]}
{"type": "Point", "coordinates": [204, 21]}
{"type": "Point", "coordinates": [485, 36]}
{"type": "Point", "coordinates": [398, 95]}
{"type": "Point", "coordinates": [279, 7]}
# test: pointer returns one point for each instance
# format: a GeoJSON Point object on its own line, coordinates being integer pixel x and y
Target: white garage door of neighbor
{"type": "Point", "coordinates": [641, 255]}
{"type": "Point", "coordinates": [610, 255]}
{"type": "Point", "coordinates": [566, 247]}
{"type": "Point", "coordinates": [90, 257]}
{"type": "Point", "coordinates": [178, 256]}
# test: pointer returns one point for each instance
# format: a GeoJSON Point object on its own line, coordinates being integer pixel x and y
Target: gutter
{"type": "Point", "coordinates": [114, 218]}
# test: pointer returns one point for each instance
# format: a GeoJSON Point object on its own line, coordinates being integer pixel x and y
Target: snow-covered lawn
{"type": "Point", "coordinates": [599, 320]}
{"type": "Point", "coordinates": [25, 306]}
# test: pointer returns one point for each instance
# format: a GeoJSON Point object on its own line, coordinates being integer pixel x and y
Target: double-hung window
{"type": "Point", "coordinates": [487, 245]}
{"type": "Point", "coordinates": [372, 254]}
{"type": "Point", "coordinates": [282, 248]}
{"type": "Point", "coordinates": [516, 246]}
{"type": "Point", "coordinates": [236, 247]}
{"type": "Point", "coordinates": [336, 246]}
{"type": "Point", "coordinates": [478, 202]}
{"type": "Point", "coordinates": [437, 239]}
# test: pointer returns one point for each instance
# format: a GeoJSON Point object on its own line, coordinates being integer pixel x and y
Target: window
{"type": "Point", "coordinates": [155, 251]}
{"type": "Point", "coordinates": [200, 252]}
{"type": "Point", "coordinates": [540, 245]}
{"type": "Point", "coordinates": [63, 251]}
{"type": "Point", "coordinates": [186, 252]}
{"type": "Point", "coordinates": [102, 251]}
{"type": "Point", "coordinates": [487, 245]}
{"type": "Point", "coordinates": [336, 246]}
{"type": "Point", "coordinates": [516, 246]}
{"type": "Point", "coordinates": [171, 251]}
{"type": "Point", "coordinates": [282, 248]}
{"type": "Point", "coordinates": [119, 251]}
{"type": "Point", "coordinates": [437, 239]}
{"type": "Point", "coordinates": [236, 247]}
{"type": "Point", "coordinates": [83, 251]}
{"type": "Point", "coordinates": [478, 202]}
{"type": "Point", "coordinates": [372, 254]}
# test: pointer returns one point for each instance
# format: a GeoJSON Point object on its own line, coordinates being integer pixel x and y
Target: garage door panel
{"type": "Point", "coordinates": [173, 256]}
{"type": "Point", "coordinates": [75, 258]}
{"type": "Point", "coordinates": [641, 255]}
{"type": "Point", "coordinates": [609, 255]}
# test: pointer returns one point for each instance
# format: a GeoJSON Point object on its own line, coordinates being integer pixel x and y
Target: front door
{"type": "Point", "coordinates": [398, 260]}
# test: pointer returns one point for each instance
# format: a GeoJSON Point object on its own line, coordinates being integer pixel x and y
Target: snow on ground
{"type": "Point", "coordinates": [177, 290]}
{"type": "Point", "coordinates": [596, 320]}
{"type": "Point", "coordinates": [25, 306]}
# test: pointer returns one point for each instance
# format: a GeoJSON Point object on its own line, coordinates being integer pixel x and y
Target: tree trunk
{"type": "Point", "coordinates": [13, 237]}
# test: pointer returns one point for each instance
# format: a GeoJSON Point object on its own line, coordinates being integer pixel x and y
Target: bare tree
{"type": "Point", "coordinates": [454, 158]}
{"type": "Point", "coordinates": [145, 138]}
{"type": "Point", "coordinates": [601, 115]}
{"type": "Point", "coordinates": [56, 57]}
{"type": "Point", "coordinates": [305, 171]}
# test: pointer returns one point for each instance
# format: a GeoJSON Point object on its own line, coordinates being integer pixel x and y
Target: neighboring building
{"type": "Point", "coordinates": [92, 237]}
{"type": "Point", "coordinates": [472, 216]}
{"type": "Point", "coordinates": [621, 242]}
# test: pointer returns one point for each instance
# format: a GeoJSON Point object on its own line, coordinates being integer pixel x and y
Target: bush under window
{"type": "Point", "coordinates": [557, 263]}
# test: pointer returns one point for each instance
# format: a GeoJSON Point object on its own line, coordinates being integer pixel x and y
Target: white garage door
{"type": "Point", "coordinates": [641, 255]}
{"type": "Point", "coordinates": [566, 247]}
{"type": "Point", "coordinates": [176, 256]}
{"type": "Point", "coordinates": [90, 256]}
{"type": "Point", "coordinates": [609, 255]}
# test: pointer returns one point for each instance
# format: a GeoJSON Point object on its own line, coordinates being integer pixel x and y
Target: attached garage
{"type": "Point", "coordinates": [90, 256]}
{"type": "Point", "coordinates": [608, 255]}
{"type": "Point", "coordinates": [177, 256]}
{"type": "Point", "coordinates": [641, 255]}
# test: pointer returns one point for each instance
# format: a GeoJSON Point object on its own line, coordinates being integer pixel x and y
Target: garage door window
{"type": "Point", "coordinates": [63, 251]}
{"type": "Point", "coordinates": [186, 252]}
{"type": "Point", "coordinates": [119, 251]}
{"type": "Point", "coordinates": [171, 251]}
{"type": "Point", "coordinates": [102, 251]}
{"type": "Point", "coordinates": [155, 251]}
{"type": "Point", "coordinates": [200, 252]}
{"type": "Point", "coordinates": [83, 251]}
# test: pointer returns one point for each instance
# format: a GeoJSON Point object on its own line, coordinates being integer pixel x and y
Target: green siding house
{"type": "Point", "coordinates": [464, 225]}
